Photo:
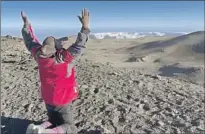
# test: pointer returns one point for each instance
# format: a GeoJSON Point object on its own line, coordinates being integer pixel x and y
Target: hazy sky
{"type": "Point", "coordinates": [121, 16]}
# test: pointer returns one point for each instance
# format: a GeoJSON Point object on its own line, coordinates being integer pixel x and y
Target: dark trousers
{"type": "Point", "coordinates": [62, 116]}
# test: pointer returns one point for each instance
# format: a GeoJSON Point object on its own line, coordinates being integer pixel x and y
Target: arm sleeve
{"type": "Point", "coordinates": [31, 42]}
{"type": "Point", "coordinates": [76, 50]}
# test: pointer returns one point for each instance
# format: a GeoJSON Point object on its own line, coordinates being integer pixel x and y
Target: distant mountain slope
{"type": "Point", "coordinates": [190, 42]}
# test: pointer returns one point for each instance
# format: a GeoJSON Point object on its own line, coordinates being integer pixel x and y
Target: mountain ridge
{"type": "Point", "coordinates": [132, 35]}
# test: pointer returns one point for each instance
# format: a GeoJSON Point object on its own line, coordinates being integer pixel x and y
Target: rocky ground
{"type": "Point", "coordinates": [110, 100]}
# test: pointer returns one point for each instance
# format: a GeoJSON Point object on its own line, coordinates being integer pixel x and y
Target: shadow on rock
{"type": "Point", "coordinates": [90, 132]}
{"type": "Point", "coordinates": [14, 125]}
{"type": "Point", "coordinates": [173, 70]}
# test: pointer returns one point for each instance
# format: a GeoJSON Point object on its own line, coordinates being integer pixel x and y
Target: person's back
{"type": "Point", "coordinates": [58, 84]}
{"type": "Point", "coordinates": [57, 75]}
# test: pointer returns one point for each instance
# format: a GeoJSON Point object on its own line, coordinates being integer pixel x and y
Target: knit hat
{"type": "Point", "coordinates": [48, 48]}
{"type": "Point", "coordinates": [51, 44]}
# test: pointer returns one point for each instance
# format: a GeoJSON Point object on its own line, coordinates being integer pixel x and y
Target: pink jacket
{"type": "Point", "coordinates": [57, 73]}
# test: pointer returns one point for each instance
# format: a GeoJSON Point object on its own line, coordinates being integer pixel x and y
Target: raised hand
{"type": "Point", "coordinates": [85, 18]}
{"type": "Point", "coordinates": [24, 17]}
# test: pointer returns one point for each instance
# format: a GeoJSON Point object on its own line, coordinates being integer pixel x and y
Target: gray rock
{"type": "Point", "coordinates": [84, 86]}
{"type": "Point", "coordinates": [161, 123]}
{"type": "Point", "coordinates": [9, 37]}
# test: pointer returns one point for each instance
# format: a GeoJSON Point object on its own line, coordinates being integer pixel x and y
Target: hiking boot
{"type": "Point", "coordinates": [30, 129]}
{"type": "Point", "coordinates": [40, 130]}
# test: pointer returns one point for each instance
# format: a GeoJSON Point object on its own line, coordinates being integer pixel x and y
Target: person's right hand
{"type": "Point", "coordinates": [24, 17]}
{"type": "Point", "coordinates": [85, 18]}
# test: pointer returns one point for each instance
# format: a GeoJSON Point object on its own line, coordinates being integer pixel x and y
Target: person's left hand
{"type": "Point", "coordinates": [85, 18]}
{"type": "Point", "coordinates": [24, 17]}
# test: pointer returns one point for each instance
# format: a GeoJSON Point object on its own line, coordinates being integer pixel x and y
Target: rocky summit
{"type": "Point", "coordinates": [111, 100]}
